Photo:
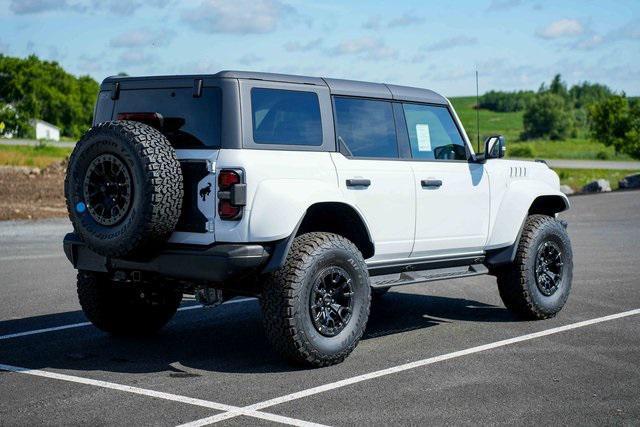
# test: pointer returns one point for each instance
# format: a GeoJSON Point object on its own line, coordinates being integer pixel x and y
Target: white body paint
{"type": "Point", "coordinates": [480, 206]}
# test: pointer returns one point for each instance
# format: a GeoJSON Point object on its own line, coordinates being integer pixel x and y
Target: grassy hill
{"type": "Point", "coordinates": [510, 125]}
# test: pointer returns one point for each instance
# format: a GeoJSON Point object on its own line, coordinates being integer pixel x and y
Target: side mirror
{"type": "Point", "coordinates": [494, 147]}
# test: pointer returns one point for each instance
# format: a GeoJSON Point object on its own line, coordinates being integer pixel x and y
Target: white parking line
{"type": "Point", "coordinates": [407, 366]}
{"type": "Point", "coordinates": [82, 324]}
{"type": "Point", "coordinates": [160, 395]}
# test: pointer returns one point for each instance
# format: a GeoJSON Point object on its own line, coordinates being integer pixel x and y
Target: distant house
{"type": "Point", "coordinates": [45, 130]}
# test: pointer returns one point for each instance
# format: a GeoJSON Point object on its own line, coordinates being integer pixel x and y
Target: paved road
{"type": "Point", "coordinates": [32, 142]}
{"type": "Point", "coordinates": [216, 363]}
{"type": "Point", "coordinates": [591, 164]}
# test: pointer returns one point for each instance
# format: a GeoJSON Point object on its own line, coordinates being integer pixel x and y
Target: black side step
{"type": "Point", "coordinates": [408, 278]}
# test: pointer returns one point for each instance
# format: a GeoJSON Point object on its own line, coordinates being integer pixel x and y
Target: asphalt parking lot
{"type": "Point", "coordinates": [437, 353]}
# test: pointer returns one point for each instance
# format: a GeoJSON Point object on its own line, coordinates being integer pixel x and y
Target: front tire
{"type": "Point", "coordinates": [316, 307]}
{"type": "Point", "coordinates": [537, 284]}
{"type": "Point", "coordinates": [124, 308]}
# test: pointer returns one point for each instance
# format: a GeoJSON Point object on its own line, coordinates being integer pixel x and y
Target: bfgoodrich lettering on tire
{"type": "Point", "coordinates": [123, 188]}
{"type": "Point", "coordinates": [316, 306]}
{"type": "Point", "coordinates": [537, 284]}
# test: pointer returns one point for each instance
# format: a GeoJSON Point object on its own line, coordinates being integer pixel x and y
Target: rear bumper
{"type": "Point", "coordinates": [216, 263]}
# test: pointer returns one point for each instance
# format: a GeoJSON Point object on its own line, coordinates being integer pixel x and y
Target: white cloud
{"type": "Point", "coordinates": [4, 47]}
{"type": "Point", "coordinates": [296, 46]}
{"type": "Point", "coordinates": [237, 16]}
{"type": "Point", "coordinates": [405, 20]}
{"type": "Point", "coordinates": [372, 23]}
{"type": "Point", "coordinates": [127, 7]}
{"type": "Point", "coordinates": [366, 47]}
{"type": "Point", "coordinates": [497, 5]}
{"type": "Point", "coordinates": [27, 7]}
{"type": "Point", "coordinates": [590, 42]}
{"type": "Point", "coordinates": [117, 7]}
{"type": "Point", "coordinates": [250, 59]}
{"type": "Point", "coordinates": [141, 38]}
{"type": "Point", "coordinates": [560, 29]}
{"type": "Point", "coordinates": [451, 42]}
{"type": "Point", "coordinates": [134, 57]}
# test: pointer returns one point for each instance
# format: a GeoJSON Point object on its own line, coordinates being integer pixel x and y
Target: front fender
{"type": "Point", "coordinates": [514, 208]}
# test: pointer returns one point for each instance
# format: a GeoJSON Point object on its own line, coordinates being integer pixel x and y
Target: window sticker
{"type": "Point", "coordinates": [424, 137]}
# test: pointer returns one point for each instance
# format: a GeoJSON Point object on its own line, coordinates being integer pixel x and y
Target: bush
{"type": "Point", "coordinates": [506, 101]}
{"type": "Point", "coordinates": [524, 151]}
{"type": "Point", "coordinates": [602, 155]}
{"type": "Point", "coordinates": [616, 122]}
{"type": "Point", "coordinates": [548, 117]}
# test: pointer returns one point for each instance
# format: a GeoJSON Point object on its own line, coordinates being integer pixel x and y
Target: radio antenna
{"type": "Point", "coordinates": [477, 111]}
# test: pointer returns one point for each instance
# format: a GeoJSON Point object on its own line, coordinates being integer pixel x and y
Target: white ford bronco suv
{"type": "Point", "coordinates": [313, 194]}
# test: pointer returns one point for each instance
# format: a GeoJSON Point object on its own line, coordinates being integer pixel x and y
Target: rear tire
{"type": "Point", "coordinates": [316, 307]}
{"type": "Point", "coordinates": [124, 308]}
{"type": "Point", "coordinates": [537, 284]}
{"type": "Point", "coordinates": [123, 188]}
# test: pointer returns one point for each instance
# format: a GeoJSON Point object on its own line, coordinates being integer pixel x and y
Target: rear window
{"type": "Point", "coordinates": [188, 122]}
{"type": "Point", "coordinates": [286, 117]}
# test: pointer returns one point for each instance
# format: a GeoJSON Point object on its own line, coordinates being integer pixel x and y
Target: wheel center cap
{"type": "Point", "coordinates": [327, 299]}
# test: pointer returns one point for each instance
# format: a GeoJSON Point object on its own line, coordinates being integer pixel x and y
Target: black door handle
{"type": "Point", "coordinates": [431, 183]}
{"type": "Point", "coordinates": [358, 182]}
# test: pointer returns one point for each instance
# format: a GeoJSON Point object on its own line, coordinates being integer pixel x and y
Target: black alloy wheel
{"type": "Point", "coordinates": [107, 189]}
{"type": "Point", "coordinates": [331, 302]}
{"type": "Point", "coordinates": [549, 268]}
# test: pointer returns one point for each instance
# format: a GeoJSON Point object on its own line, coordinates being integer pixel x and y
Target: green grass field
{"type": "Point", "coordinates": [510, 125]}
{"type": "Point", "coordinates": [39, 156]}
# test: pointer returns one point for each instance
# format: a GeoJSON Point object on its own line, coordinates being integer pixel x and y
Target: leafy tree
{"type": "Point", "coordinates": [37, 89]}
{"type": "Point", "coordinates": [587, 93]}
{"type": "Point", "coordinates": [615, 122]}
{"type": "Point", "coordinates": [548, 117]}
{"type": "Point", "coordinates": [558, 87]}
{"type": "Point", "coordinates": [506, 101]}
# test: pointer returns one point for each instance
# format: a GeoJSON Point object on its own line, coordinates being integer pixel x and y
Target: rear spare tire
{"type": "Point", "coordinates": [123, 188]}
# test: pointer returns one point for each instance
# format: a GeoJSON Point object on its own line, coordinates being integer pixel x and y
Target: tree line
{"type": "Point", "coordinates": [558, 112]}
{"type": "Point", "coordinates": [31, 88]}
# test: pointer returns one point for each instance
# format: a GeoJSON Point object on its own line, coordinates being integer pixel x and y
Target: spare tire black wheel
{"type": "Point", "coordinates": [123, 188]}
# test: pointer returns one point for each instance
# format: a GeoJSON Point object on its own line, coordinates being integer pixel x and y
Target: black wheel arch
{"type": "Point", "coordinates": [331, 217]}
{"type": "Point", "coordinates": [548, 205]}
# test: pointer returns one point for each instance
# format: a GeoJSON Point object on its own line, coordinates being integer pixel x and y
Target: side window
{"type": "Point", "coordinates": [366, 127]}
{"type": "Point", "coordinates": [285, 117]}
{"type": "Point", "coordinates": [433, 133]}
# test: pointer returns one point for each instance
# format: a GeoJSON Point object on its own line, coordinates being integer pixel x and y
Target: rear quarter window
{"type": "Point", "coordinates": [286, 117]}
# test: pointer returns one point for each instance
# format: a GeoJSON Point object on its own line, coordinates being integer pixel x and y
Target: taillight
{"type": "Point", "coordinates": [232, 194]}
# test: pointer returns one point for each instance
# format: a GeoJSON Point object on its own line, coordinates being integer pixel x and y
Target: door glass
{"type": "Point", "coordinates": [433, 134]}
{"type": "Point", "coordinates": [366, 127]}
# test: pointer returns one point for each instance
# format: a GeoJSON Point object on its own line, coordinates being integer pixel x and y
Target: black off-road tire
{"type": "Point", "coordinates": [156, 188]}
{"type": "Point", "coordinates": [287, 294]}
{"type": "Point", "coordinates": [517, 282]}
{"type": "Point", "coordinates": [124, 308]}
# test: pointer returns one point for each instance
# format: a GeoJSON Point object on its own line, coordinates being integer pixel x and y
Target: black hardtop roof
{"type": "Point", "coordinates": [336, 86]}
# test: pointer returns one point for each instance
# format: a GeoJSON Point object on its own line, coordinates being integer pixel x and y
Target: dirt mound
{"type": "Point", "coordinates": [31, 193]}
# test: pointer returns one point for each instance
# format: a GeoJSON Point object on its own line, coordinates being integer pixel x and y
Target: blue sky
{"type": "Point", "coordinates": [515, 44]}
